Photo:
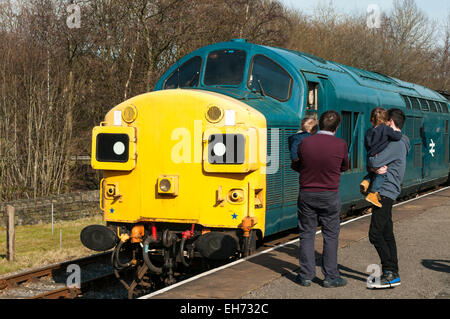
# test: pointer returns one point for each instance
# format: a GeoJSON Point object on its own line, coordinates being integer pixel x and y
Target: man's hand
{"type": "Point", "coordinates": [392, 125]}
{"type": "Point", "coordinates": [382, 170]}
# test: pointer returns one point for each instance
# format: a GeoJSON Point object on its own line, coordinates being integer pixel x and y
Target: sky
{"type": "Point", "coordinates": [435, 9]}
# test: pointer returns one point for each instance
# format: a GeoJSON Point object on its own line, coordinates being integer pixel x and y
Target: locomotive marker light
{"type": "Point", "coordinates": [219, 149]}
{"type": "Point", "coordinates": [129, 114]}
{"type": "Point", "coordinates": [432, 150]}
{"type": "Point", "coordinates": [214, 114]}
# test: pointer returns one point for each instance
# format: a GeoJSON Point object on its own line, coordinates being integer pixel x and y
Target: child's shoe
{"type": "Point", "coordinates": [374, 198]}
{"type": "Point", "coordinates": [364, 186]}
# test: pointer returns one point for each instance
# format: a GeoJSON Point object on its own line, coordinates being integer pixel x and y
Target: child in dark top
{"type": "Point", "coordinates": [308, 127]}
{"type": "Point", "coordinates": [376, 140]}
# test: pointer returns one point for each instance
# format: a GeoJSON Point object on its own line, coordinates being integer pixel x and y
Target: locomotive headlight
{"type": "Point", "coordinates": [168, 185]}
{"type": "Point", "coordinates": [129, 114]}
{"type": "Point", "coordinates": [110, 191]}
{"type": "Point", "coordinates": [165, 185]}
{"type": "Point", "coordinates": [236, 196]}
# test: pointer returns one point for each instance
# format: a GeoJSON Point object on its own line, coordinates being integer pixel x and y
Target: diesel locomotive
{"type": "Point", "coordinates": [201, 167]}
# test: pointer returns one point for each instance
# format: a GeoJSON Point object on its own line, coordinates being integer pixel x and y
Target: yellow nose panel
{"type": "Point", "coordinates": [172, 180]}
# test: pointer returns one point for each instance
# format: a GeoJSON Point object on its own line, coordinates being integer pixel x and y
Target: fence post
{"type": "Point", "coordinates": [10, 233]}
{"type": "Point", "coordinates": [52, 218]}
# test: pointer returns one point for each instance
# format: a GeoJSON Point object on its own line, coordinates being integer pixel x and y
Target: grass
{"type": "Point", "coordinates": [36, 246]}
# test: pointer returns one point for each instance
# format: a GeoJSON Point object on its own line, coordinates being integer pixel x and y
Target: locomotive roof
{"type": "Point", "coordinates": [311, 63]}
{"type": "Point", "coordinates": [353, 86]}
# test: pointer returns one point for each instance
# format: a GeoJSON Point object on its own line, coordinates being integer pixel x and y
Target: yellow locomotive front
{"type": "Point", "coordinates": [184, 171]}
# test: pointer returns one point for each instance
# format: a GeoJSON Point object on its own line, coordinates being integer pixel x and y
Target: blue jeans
{"type": "Point", "coordinates": [376, 181]}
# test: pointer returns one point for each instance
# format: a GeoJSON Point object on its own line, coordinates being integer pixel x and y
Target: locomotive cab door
{"type": "Point", "coordinates": [414, 166]}
{"type": "Point", "coordinates": [318, 87]}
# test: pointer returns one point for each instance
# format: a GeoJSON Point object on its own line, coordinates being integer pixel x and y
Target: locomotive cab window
{"type": "Point", "coordinates": [436, 106]}
{"type": "Point", "coordinates": [313, 94]}
{"type": "Point", "coordinates": [407, 102]}
{"type": "Point", "coordinates": [225, 67]}
{"type": "Point", "coordinates": [424, 104]}
{"type": "Point", "coordinates": [187, 75]}
{"type": "Point", "coordinates": [433, 107]}
{"type": "Point", "coordinates": [269, 78]}
{"type": "Point", "coordinates": [350, 133]}
{"type": "Point", "coordinates": [415, 103]}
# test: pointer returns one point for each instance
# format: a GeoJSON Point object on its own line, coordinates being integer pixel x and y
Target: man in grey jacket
{"type": "Point", "coordinates": [381, 233]}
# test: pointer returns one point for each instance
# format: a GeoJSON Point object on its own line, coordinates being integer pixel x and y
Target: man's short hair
{"type": "Point", "coordinates": [397, 116]}
{"type": "Point", "coordinates": [329, 121]}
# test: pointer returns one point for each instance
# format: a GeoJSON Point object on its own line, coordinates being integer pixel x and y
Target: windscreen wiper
{"type": "Point", "coordinates": [261, 88]}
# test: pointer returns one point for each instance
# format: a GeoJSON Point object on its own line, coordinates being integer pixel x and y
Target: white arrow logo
{"type": "Point", "coordinates": [432, 150]}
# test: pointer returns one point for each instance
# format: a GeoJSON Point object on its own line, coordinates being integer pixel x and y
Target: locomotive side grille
{"type": "Point", "coordinates": [274, 181]}
{"type": "Point", "coordinates": [409, 127]}
{"type": "Point", "coordinates": [418, 155]}
{"type": "Point", "coordinates": [291, 183]}
{"type": "Point", "coordinates": [282, 187]}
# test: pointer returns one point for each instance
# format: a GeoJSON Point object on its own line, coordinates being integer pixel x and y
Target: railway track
{"type": "Point", "coordinates": [50, 282]}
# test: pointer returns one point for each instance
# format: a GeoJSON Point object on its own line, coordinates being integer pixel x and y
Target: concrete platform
{"type": "Point", "coordinates": [422, 230]}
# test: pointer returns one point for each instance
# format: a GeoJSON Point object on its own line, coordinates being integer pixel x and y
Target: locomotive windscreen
{"type": "Point", "coordinates": [186, 75]}
{"type": "Point", "coordinates": [112, 147]}
{"type": "Point", "coordinates": [225, 67]}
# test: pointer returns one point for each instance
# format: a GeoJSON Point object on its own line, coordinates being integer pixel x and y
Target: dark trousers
{"type": "Point", "coordinates": [312, 208]}
{"type": "Point", "coordinates": [381, 234]}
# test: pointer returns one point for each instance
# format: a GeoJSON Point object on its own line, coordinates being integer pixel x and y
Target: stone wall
{"type": "Point", "coordinates": [69, 206]}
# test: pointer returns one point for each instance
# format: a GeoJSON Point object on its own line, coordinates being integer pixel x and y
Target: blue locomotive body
{"type": "Point", "coordinates": [286, 85]}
